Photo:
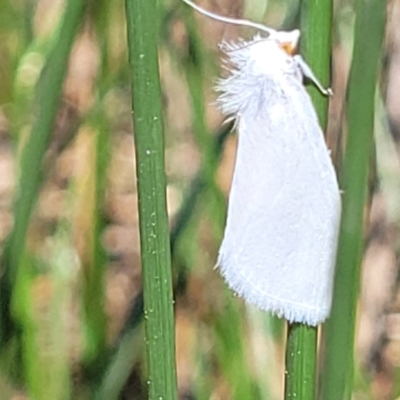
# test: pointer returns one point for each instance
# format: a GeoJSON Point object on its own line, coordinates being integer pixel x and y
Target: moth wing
{"type": "Point", "coordinates": [280, 239]}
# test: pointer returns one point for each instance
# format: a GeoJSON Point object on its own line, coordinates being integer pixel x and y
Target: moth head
{"type": "Point", "coordinates": [288, 41]}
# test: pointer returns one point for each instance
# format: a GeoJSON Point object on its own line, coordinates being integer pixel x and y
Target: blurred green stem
{"type": "Point", "coordinates": [93, 285]}
{"type": "Point", "coordinates": [142, 20]}
{"type": "Point", "coordinates": [301, 346]}
{"type": "Point", "coordinates": [337, 374]}
{"type": "Point", "coordinates": [195, 69]}
{"type": "Point", "coordinates": [94, 259]}
{"type": "Point", "coordinates": [49, 94]}
{"type": "Point", "coordinates": [50, 84]}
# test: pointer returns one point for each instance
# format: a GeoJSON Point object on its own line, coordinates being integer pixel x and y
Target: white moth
{"type": "Point", "coordinates": [280, 240]}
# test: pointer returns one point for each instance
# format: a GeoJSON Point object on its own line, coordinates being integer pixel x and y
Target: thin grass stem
{"type": "Point", "coordinates": [301, 347]}
{"type": "Point", "coordinates": [31, 173]}
{"type": "Point", "coordinates": [143, 27]}
{"type": "Point", "coordinates": [337, 377]}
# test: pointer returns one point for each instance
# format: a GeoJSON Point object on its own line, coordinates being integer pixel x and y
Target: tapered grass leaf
{"type": "Point", "coordinates": [337, 375]}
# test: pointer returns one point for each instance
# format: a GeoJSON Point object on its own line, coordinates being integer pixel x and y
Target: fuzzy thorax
{"type": "Point", "coordinates": [256, 69]}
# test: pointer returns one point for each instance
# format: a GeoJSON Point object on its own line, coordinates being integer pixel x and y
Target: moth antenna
{"type": "Point", "coordinates": [243, 22]}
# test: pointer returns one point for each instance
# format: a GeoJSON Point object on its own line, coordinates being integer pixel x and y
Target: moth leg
{"type": "Point", "coordinates": [308, 73]}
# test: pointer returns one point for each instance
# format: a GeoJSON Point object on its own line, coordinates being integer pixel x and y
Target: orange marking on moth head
{"type": "Point", "coordinates": [288, 41]}
{"type": "Point", "coordinates": [288, 47]}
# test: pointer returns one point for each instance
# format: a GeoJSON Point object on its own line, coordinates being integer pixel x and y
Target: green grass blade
{"type": "Point", "coordinates": [301, 347]}
{"type": "Point", "coordinates": [195, 68]}
{"type": "Point", "coordinates": [50, 91]}
{"type": "Point", "coordinates": [301, 361]}
{"type": "Point", "coordinates": [230, 350]}
{"type": "Point", "coordinates": [316, 48]}
{"type": "Point", "coordinates": [120, 367]}
{"type": "Point", "coordinates": [143, 24]}
{"type": "Point", "coordinates": [94, 257]}
{"type": "Point", "coordinates": [109, 382]}
{"type": "Point", "coordinates": [338, 361]}
{"type": "Point", "coordinates": [38, 302]}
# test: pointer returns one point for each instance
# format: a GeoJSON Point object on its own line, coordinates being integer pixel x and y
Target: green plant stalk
{"type": "Point", "coordinates": [46, 373]}
{"type": "Point", "coordinates": [301, 346]}
{"type": "Point", "coordinates": [230, 350]}
{"type": "Point", "coordinates": [154, 238]}
{"type": "Point", "coordinates": [195, 69]}
{"type": "Point", "coordinates": [301, 361]}
{"type": "Point", "coordinates": [93, 285]}
{"type": "Point", "coordinates": [316, 48]}
{"type": "Point", "coordinates": [337, 374]}
{"type": "Point", "coordinates": [179, 225]}
{"type": "Point", "coordinates": [95, 358]}
{"type": "Point", "coordinates": [51, 85]}
{"type": "Point", "coordinates": [120, 368]}
{"type": "Point", "coordinates": [30, 179]}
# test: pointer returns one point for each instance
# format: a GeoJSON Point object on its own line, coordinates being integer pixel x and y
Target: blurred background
{"type": "Point", "coordinates": [75, 298]}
